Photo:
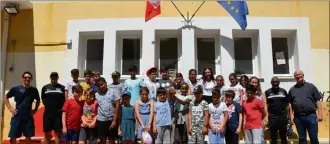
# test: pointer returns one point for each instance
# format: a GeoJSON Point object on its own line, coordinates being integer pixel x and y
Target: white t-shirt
{"type": "Point", "coordinates": [207, 87]}
{"type": "Point", "coordinates": [152, 86]}
{"type": "Point", "coordinates": [117, 89]}
{"type": "Point", "coordinates": [237, 89]}
{"type": "Point", "coordinates": [216, 114]}
{"type": "Point", "coordinates": [68, 87]}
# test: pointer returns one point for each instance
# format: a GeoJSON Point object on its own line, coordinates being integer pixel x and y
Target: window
{"type": "Point", "coordinates": [205, 54]}
{"type": "Point", "coordinates": [94, 55]}
{"type": "Point", "coordinates": [168, 53]}
{"type": "Point", "coordinates": [280, 56]}
{"type": "Point", "coordinates": [130, 55]}
{"type": "Point", "coordinates": [243, 56]}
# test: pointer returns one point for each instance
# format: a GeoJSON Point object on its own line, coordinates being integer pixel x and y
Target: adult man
{"type": "Point", "coordinates": [278, 111]}
{"type": "Point", "coordinates": [305, 100]}
{"type": "Point", "coordinates": [22, 120]}
{"type": "Point", "coordinates": [53, 98]}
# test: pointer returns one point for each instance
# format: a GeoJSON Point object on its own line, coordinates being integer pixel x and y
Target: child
{"type": "Point", "coordinates": [171, 100]}
{"type": "Point", "coordinates": [181, 114]}
{"type": "Point", "coordinates": [88, 74]}
{"type": "Point", "coordinates": [144, 109]}
{"type": "Point", "coordinates": [221, 85]}
{"type": "Point", "coordinates": [116, 86]}
{"type": "Point", "coordinates": [151, 83]}
{"type": "Point", "coordinates": [198, 114]}
{"type": "Point", "coordinates": [162, 119]}
{"type": "Point", "coordinates": [218, 116]}
{"type": "Point", "coordinates": [88, 129]}
{"type": "Point", "coordinates": [71, 116]}
{"type": "Point", "coordinates": [261, 96]}
{"type": "Point", "coordinates": [253, 110]}
{"type": "Point", "coordinates": [94, 79]}
{"type": "Point", "coordinates": [70, 84]}
{"type": "Point", "coordinates": [234, 123]}
{"type": "Point", "coordinates": [107, 112]}
{"type": "Point", "coordinates": [133, 85]}
{"type": "Point", "coordinates": [234, 86]}
{"type": "Point", "coordinates": [127, 122]}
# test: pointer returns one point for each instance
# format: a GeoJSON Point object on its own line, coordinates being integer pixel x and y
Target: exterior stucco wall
{"type": "Point", "coordinates": [47, 23]}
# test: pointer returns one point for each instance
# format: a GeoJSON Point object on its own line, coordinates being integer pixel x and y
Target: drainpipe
{"type": "Point", "coordinates": [3, 54]}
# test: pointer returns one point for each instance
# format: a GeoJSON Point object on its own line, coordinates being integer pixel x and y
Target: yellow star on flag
{"type": "Point", "coordinates": [232, 7]}
{"type": "Point", "coordinates": [228, 2]}
{"type": "Point", "coordinates": [237, 11]}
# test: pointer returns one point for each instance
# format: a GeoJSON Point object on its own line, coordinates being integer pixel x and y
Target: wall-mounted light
{"type": "Point", "coordinates": [12, 9]}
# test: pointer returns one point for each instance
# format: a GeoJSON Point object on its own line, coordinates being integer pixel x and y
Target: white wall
{"type": "Point", "coordinates": [320, 59]}
{"type": "Point", "coordinates": [224, 26]}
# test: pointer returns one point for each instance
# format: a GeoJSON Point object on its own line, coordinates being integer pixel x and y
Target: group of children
{"type": "Point", "coordinates": [176, 115]}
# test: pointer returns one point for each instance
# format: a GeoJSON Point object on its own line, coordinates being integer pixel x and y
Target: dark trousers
{"type": "Point", "coordinates": [180, 136]}
{"type": "Point", "coordinates": [309, 123]}
{"type": "Point", "coordinates": [278, 125]}
{"type": "Point", "coordinates": [230, 135]}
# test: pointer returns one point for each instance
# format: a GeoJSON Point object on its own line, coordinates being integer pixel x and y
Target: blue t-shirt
{"type": "Point", "coordinates": [133, 86]}
{"type": "Point", "coordinates": [233, 114]}
{"type": "Point", "coordinates": [163, 113]}
{"type": "Point", "coordinates": [95, 88]}
{"type": "Point", "coordinates": [24, 97]}
{"type": "Point", "coordinates": [106, 105]}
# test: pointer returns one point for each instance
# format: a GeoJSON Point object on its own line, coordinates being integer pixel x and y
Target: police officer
{"type": "Point", "coordinates": [279, 111]}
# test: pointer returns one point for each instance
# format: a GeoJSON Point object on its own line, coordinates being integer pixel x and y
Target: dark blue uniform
{"type": "Point", "coordinates": [22, 122]}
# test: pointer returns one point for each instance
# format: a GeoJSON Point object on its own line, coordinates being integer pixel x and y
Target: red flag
{"type": "Point", "coordinates": [152, 9]}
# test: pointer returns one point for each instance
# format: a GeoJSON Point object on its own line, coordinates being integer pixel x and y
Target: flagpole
{"type": "Point", "coordinates": [179, 11]}
{"type": "Point", "coordinates": [196, 11]}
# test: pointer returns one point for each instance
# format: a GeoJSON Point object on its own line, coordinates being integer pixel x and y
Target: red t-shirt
{"type": "Point", "coordinates": [253, 113]}
{"type": "Point", "coordinates": [73, 111]}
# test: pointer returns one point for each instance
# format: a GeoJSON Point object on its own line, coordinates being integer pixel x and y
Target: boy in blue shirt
{"type": "Point", "coordinates": [234, 124]}
{"type": "Point", "coordinates": [162, 118]}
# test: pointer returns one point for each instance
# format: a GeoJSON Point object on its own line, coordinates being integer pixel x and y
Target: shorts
{"type": "Point", "coordinates": [72, 135]}
{"type": "Point", "coordinates": [19, 126]}
{"type": "Point", "coordinates": [104, 130]}
{"type": "Point", "coordinates": [88, 134]}
{"type": "Point", "coordinates": [52, 123]}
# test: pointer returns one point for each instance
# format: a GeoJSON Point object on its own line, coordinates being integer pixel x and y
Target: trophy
{"type": "Point", "coordinates": [172, 73]}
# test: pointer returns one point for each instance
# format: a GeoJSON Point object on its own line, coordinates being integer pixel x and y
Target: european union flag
{"type": "Point", "coordinates": [238, 10]}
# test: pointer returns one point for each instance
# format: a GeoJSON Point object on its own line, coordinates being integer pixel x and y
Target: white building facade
{"type": "Point", "coordinates": [268, 47]}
